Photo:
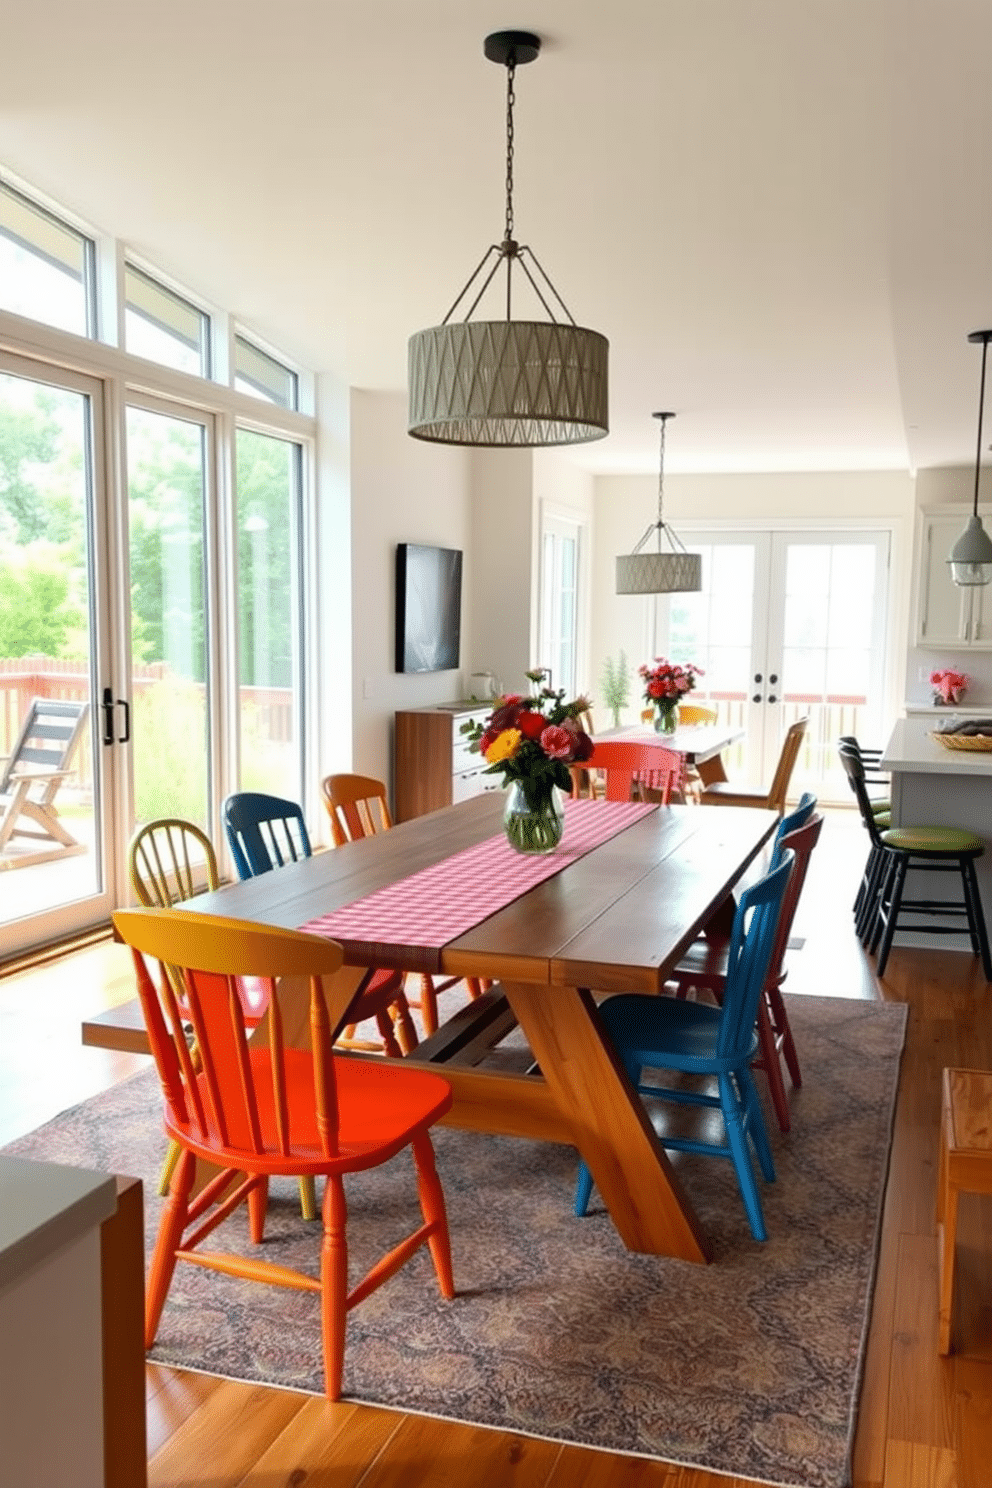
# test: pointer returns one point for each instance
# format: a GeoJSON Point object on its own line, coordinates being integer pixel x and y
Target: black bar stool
{"type": "Point", "coordinates": [880, 904]}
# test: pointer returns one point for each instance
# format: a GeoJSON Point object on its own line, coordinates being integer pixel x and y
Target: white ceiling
{"type": "Point", "coordinates": [778, 211]}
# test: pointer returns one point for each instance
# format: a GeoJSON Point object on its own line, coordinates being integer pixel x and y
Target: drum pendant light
{"type": "Point", "coordinates": [673, 572]}
{"type": "Point", "coordinates": [508, 382]}
{"type": "Point", "coordinates": [971, 555]}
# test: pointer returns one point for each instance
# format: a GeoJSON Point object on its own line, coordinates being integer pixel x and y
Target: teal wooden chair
{"type": "Point", "coordinates": [696, 1038]}
{"type": "Point", "coordinates": [264, 832]}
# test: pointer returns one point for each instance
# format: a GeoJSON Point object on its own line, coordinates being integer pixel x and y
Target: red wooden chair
{"type": "Point", "coordinates": [627, 763]}
{"type": "Point", "coordinates": [704, 967]}
{"type": "Point", "coordinates": [357, 807]}
{"type": "Point", "coordinates": [258, 1108]}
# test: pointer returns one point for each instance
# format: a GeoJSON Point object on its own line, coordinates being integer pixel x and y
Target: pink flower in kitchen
{"type": "Point", "coordinates": [950, 686]}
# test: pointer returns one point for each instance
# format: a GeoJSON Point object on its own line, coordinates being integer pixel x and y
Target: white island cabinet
{"type": "Point", "coordinates": [935, 786]}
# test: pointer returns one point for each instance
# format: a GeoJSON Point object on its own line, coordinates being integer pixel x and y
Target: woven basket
{"type": "Point", "coordinates": [977, 743]}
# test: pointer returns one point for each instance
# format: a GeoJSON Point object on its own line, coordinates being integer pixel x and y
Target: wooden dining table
{"type": "Point", "coordinates": [616, 919]}
{"type": "Point", "coordinates": [698, 743]}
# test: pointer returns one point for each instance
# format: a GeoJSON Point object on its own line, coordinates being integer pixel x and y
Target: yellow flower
{"type": "Point", "coordinates": [504, 746]}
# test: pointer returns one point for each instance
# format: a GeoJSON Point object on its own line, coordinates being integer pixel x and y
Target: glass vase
{"type": "Point", "coordinates": [666, 716]}
{"type": "Point", "coordinates": [534, 825]}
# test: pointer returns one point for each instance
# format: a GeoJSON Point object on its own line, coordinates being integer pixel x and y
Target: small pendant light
{"type": "Point", "coordinates": [971, 555]}
{"type": "Point", "coordinates": [508, 382]}
{"type": "Point", "coordinates": [673, 572]}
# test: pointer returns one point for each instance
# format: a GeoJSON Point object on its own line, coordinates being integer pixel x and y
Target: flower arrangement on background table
{"type": "Point", "coordinates": [949, 686]}
{"type": "Point", "coordinates": [665, 685]}
{"type": "Point", "coordinates": [531, 742]}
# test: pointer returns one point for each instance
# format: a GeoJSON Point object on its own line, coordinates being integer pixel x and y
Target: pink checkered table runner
{"type": "Point", "coordinates": [436, 905]}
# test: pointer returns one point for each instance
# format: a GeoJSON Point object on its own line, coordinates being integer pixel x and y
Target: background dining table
{"type": "Point", "coordinates": [698, 743]}
{"type": "Point", "coordinates": [615, 919]}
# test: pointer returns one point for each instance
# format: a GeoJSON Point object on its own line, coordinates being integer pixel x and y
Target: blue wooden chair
{"type": "Point", "coordinates": [264, 832]}
{"type": "Point", "coordinates": [699, 1039]}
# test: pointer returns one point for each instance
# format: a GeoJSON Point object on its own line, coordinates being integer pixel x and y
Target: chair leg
{"type": "Point", "coordinates": [783, 1034]}
{"type": "Point", "coordinates": [334, 1284]}
{"type": "Point", "coordinates": [734, 1123]}
{"type": "Point", "coordinates": [258, 1203]}
{"type": "Point", "coordinates": [170, 1234]}
{"type": "Point", "coordinates": [434, 1211]}
{"type": "Point", "coordinates": [168, 1168]}
{"type": "Point", "coordinates": [428, 1004]}
{"type": "Point", "coordinates": [308, 1198]}
{"type": "Point", "coordinates": [385, 1027]}
{"type": "Point", "coordinates": [976, 916]}
{"type": "Point", "coordinates": [891, 910]}
{"type": "Point", "coordinates": [768, 1060]}
{"type": "Point", "coordinates": [406, 1033]}
{"type": "Point", "coordinates": [583, 1189]}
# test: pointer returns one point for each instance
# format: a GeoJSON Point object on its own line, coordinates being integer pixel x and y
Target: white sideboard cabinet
{"type": "Point", "coordinates": [949, 618]}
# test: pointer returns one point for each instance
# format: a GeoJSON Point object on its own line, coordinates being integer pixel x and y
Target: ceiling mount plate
{"type": "Point", "coordinates": [511, 46]}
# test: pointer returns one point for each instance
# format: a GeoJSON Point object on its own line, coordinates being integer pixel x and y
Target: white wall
{"type": "Point", "coordinates": [402, 490]}
{"type": "Point", "coordinates": [626, 505]}
{"type": "Point", "coordinates": [503, 567]}
{"type": "Point", "coordinates": [562, 488]}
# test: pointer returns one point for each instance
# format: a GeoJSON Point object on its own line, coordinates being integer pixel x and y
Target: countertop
{"type": "Point", "coordinates": [44, 1206]}
{"type": "Point", "coordinates": [911, 748]}
{"type": "Point", "coordinates": [957, 710]}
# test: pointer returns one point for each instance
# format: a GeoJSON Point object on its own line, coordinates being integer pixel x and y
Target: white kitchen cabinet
{"type": "Point", "coordinates": [949, 618]}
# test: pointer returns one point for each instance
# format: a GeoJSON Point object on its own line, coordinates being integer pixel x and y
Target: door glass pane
{"type": "Point", "coordinates": [714, 629]}
{"type": "Point", "coordinates": [267, 517]}
{"type": "Point", "coordinates": [166, 465]}
{"type": "Point", "coordinates": [832, 640]}
{"type": "Point", "coordinates": [559, 603]}
{"type": "Point", "coordinates": [47, 822]}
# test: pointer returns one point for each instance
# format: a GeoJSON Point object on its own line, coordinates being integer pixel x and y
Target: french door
{"type": "Point", "coordinates": [558, 629]}
{"type": "Point", "coordinates": [788, 623]}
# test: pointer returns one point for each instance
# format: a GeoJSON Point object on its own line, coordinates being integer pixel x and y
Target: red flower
{"type": "Point", "coordinates": [505, 716]}
{"type": "Point", "coordinates": [531, 724]}
{"type": "Point", "coordinates": [557, 742]}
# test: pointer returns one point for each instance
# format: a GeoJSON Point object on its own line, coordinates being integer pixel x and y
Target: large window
{"type": "Point", "coordinates": [46, 267]}
{"type": "Point", "coordinates": [163, 327]}
{"type": "Point", "coordinates": [160, 594]}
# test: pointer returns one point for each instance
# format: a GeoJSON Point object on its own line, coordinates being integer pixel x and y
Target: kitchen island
{"type": "Point", "coordinates": [935, 786]}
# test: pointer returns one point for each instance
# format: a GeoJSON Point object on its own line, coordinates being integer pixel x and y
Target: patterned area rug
{"type": "Point", "coordinates": [750, 1365]}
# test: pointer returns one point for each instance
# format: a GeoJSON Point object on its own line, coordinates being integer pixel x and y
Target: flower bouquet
{"type": "Point", "coordinates": [531, 742]}
{"type": "Point", "coordinates": [665, 685]}
{"type": "Point", "coordinates": [950, 687]}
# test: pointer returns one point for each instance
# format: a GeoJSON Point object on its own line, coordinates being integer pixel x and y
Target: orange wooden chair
{"type": "Point", "coordinates": [704, 966]}
{"type": "Point", "coordinates": [357, 807]}
{"type": "Point", "coordinates": [630, 763]}
{"type": "Point", "coordinates": [255, 1111]}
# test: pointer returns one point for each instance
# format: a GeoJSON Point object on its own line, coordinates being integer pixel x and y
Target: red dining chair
{"type": "Point", "coordinates": [627, 763]}
{"type": "Point", "coordinates": [704, 966]}
{"type": "Point", "coordinates": [357, 807]}
{"type": "Point", "coordinates": [256, 1109]}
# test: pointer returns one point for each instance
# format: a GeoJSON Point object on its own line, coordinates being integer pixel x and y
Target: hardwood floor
{"type": "Point", "coordinates": [924, 1421]}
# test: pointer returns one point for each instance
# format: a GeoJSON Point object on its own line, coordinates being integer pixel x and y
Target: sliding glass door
{"type": "Point", "coordinates": [57, 776]}
{"type": "Point", "coordinates": [163, 612]}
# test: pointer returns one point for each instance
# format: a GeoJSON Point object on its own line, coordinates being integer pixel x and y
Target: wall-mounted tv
{"type": "Point", "coordinates": [428, 608]}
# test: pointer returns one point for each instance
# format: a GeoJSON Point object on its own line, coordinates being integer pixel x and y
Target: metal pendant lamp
{"type": "Point", "coordinates": [508, 382]}
{"type": "Point", "coordinates": [971, 555]}
{"type": "Point", "coordinates": [671, 571]}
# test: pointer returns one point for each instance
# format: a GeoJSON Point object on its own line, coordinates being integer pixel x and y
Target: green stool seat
{"type": "Point", "coordinates": [879, 808]}
{"type": "Point", "coordinates": [933, 839]}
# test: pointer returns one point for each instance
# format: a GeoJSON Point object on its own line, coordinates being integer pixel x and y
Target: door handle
{"type": "Point", "coordinates": [756, 698]}
{"type": "Point", "coordinates": [773, 678]}
{"type": "Point", "coordinates": [772, 698]}
{"type": "Point", "coordinates": [107, 707]}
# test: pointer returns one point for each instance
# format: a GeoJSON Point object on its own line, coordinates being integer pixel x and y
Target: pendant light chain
{"type": "Point", "coordinates": [511, 98]}
{"type": "Point", "coordinates": [663, 420]}
{"type": "Point", "coordinates": [981, 408]}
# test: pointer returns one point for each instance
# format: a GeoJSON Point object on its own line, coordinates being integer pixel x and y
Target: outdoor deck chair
{"type": "Point", "coordinates": [32, 775]}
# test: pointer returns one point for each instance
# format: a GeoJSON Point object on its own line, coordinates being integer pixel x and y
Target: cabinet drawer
{"type": "Point", "coordinates": [469, 783]}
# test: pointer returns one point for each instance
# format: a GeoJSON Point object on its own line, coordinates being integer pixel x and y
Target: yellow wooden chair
{"type": "Point", "coordinates": [720, 792]}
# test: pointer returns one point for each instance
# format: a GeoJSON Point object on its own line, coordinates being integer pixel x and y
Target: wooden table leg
{"type": "Point", "coordinates": [611, 1127]}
